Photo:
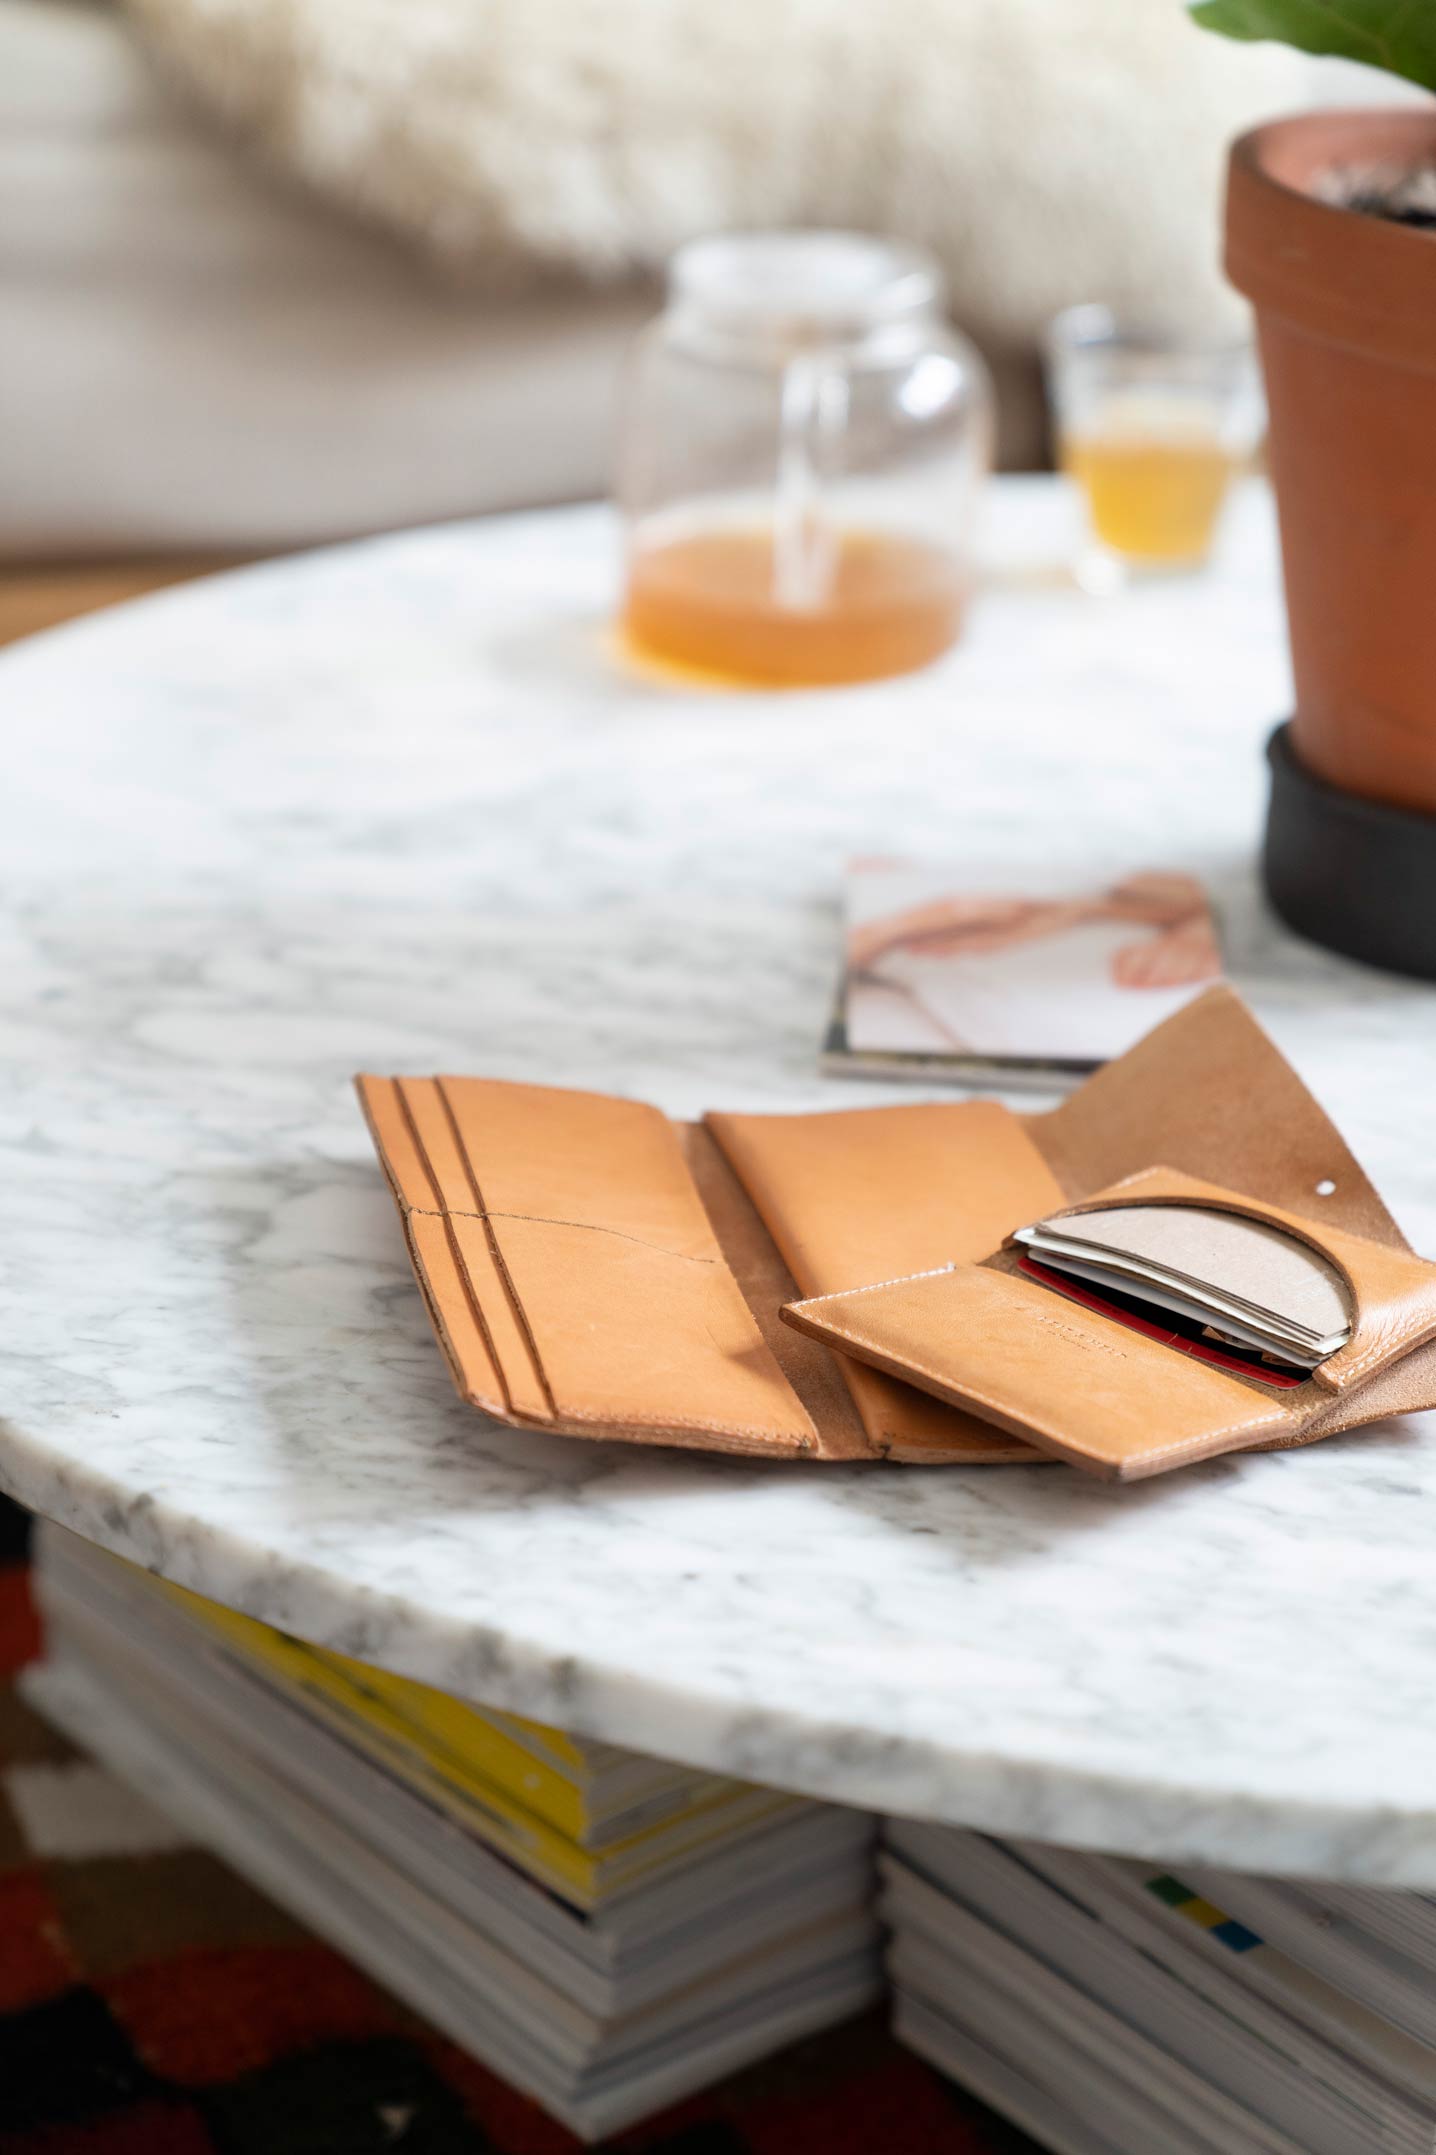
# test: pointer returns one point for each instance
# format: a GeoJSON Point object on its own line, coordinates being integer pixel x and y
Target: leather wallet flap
{"type": "Point", "coordinates": [1068, 1379]}
{"type": "Point", "coordinates": [1209, 1092]}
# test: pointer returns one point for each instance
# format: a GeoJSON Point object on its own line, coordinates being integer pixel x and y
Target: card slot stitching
{"type": "Point", "coordinates": [456, 1255]}
{"type": "Point", "coordinates": [847, 1294]}
{"type": "Point", "coordinates": [971, 1391]}
{"type": "Point", "coordinates": [520, 1318]}
{"type": "Point", "coordinates": [588, 1227]}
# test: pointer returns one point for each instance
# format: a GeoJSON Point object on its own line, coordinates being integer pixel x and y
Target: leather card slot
{"type": "Point", "coordinates": [471, 1233]}
{"type": "Point", "coordinates": [505, 1323]}
{"type": "Point", "coordinates": [612, 1265]}
{"type": "Point", "coordinates": [766, 1284]}
{"type": "Point", "coordinates": [1071, 1381]}
{"type": "Point", "coordinates": [404, 1165]}
{"type": "Point", "coordinates": [582, 1159]}
{"type": "Point", "coordinates": [465, 1303]}
{"type": "Point", "coordinates": [563, 1243]}
{"type": "Point", "coordinates": [456, 1312]}
{"type": "Point", "coordinates": [861, 1194]}
{"type": "Point", "coordinates": [633, 1333]}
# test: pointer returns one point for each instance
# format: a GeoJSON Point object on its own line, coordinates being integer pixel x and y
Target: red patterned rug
{"type": "Point", "coordinates": [152, 2003]}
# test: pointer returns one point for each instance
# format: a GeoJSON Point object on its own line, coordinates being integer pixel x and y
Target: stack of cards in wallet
{"type": "Point", "coordinates": [1244, 1283]}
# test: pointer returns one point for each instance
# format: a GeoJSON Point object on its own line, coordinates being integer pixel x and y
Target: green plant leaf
{"type": "Point", "coordinates": [1398, 35]}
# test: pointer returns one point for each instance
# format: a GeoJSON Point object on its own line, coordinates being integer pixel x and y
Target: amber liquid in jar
{"type": "Point", "coordinates": [714, 601]}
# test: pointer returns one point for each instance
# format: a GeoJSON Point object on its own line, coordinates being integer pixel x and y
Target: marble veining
{"type": "Point", "coordinates": [399, 806]}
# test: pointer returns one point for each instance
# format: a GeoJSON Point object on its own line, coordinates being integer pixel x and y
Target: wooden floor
{"type": "Point", "coordinates": [39, 598]}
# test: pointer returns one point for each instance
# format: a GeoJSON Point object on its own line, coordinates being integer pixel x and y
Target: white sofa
{"type": "Point", "coordinates": [194, 357]}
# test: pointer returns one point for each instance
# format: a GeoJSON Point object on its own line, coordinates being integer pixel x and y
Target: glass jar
{"type": "Point", "coordinates": [804, 442]}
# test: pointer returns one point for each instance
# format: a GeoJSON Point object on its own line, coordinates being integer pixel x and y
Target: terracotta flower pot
{"type": "Point", "coordinates": [1346, 316]}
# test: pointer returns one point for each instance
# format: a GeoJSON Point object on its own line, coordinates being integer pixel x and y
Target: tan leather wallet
{"type": "Point", "coordinates": [593, 1268]}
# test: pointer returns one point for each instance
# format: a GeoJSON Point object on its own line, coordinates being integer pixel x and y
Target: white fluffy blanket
{"type": "Point", "coordinates": [1048, 150]}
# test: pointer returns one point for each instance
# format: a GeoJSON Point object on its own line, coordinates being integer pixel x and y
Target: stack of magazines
{"type": "Point", "coordinates": [1112, 2007]}
{"type": "Point", "coordinates": [607, 1931]}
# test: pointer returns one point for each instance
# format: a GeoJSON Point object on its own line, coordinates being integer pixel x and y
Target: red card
{"type": "Point", "coordinates": [1200, 1349]}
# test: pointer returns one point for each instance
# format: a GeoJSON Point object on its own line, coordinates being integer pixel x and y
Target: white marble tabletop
{"type": "Point", "coordinates": [398, 806]}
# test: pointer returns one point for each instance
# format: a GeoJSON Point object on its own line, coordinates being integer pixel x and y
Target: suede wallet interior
{"type": "Point", "coordinates": [844, 1285]}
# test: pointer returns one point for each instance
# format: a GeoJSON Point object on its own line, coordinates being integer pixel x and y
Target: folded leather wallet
{"type": "Point", "coordinates": [591, 1267]}
{"type": "Point", "coordinates": [1046, 1361]}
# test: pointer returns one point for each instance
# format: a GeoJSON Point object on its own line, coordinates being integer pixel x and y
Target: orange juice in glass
{"type": "Point", "coordinates": [1152, 430]}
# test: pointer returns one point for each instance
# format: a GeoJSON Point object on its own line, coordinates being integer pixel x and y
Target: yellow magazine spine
{"type": "Point", "coordinates": [466, 1742]}
{"type": "Point", "coordinates": [458, 1739]}
{"type": "Point", "coordinates": [352, 1696]}
{"type": "Point", "coordinates": [369, 1721]}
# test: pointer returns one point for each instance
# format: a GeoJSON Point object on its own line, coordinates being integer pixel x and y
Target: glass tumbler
{"type": "Point", "coordinates": [1152, 428]}
{"type": "Point", "coordinates": [804, 442]}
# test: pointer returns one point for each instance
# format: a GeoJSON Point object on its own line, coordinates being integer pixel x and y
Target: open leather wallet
{"type": "Point", "coordinates": [917, 1282]}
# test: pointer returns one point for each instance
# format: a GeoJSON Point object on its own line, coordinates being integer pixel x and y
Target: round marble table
{"type": "Point", "coordinates": [399, 806]}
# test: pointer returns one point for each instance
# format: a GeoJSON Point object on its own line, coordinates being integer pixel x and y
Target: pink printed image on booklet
{"type": "Point", "coordinates": [944, 979]}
